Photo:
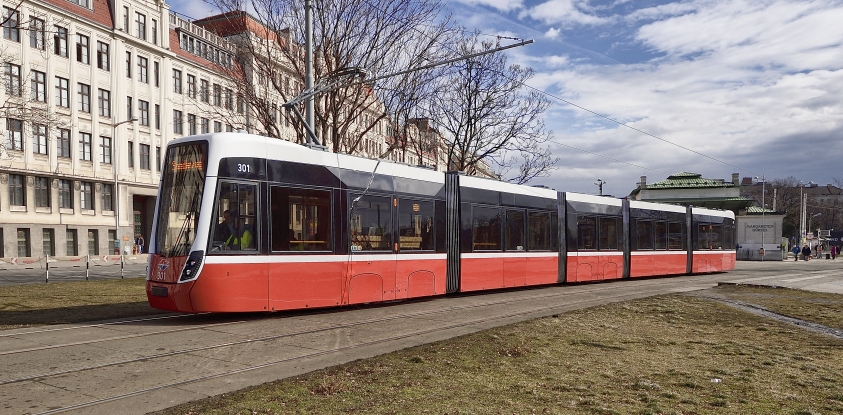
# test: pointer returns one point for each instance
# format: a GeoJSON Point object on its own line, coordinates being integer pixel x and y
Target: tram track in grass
{"type": "Point", "coordinates": [592, 288]}
{"type": "Point", "coordinates": [315, 354]}
{"type": "Point", "coordinates": [643, 286]}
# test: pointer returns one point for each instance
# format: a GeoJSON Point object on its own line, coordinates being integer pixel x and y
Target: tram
{"type": "Point", "coordinates": [246, 223]}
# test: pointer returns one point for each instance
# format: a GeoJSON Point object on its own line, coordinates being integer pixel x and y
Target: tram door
{"type": "Point", "coordinates": [373, 249]}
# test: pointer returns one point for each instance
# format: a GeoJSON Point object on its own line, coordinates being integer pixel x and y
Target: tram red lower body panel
{"type": "Point", "coordinates": [493, 271]}
{"type": "Point", "coordinates": [713, 261]}
{"type": "Point", "coordinates": [647, 264]}
{"type": "Point", "coordinates": [591, 267]}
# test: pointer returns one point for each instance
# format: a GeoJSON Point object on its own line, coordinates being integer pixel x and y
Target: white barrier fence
{"type": "Point", "coordinates": [69, 268]}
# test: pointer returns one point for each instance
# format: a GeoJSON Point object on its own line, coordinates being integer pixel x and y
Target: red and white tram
{"type": "Point", "coordinates": [249, 223]}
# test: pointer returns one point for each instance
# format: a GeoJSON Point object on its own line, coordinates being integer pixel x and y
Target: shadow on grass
{"type": "Point", "coordinates": [78, 314]}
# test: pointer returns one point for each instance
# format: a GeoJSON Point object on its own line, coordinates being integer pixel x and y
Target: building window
{"type": "Point", "coordinates": [93, 242]}
{"type": "Point", "coordinates": [177, 122]}
{"type": "Point", "coordinates": [23, 243]}
{"type": "Point", "coordinates": [85, 146]}
{"type": "Point", "coordinates": [65, 194]}
{"type": "Point", "coordinates": [82, 44]}
{"type": "Point", "coordinates": [229, 128]}
{"type": "Point", "coordinates": [86, 196]}
{"type": "Point", "coordinates": [42, 192]}
{"type": "Point", "coordinates": [129, 110]}
{"type": "Point", "coordinates": [229, 99]}
{"type": "Point", "coordinates": [205, 125]}
{"type": "Point", "coordinates": [104, 103]}
{"type": "Point", "coordinates": [17, 193]}
{"type": "Point", "coordinates": [143, 69]}
{"type": "Point", "coordinates": [62, 92]}
{"type": "Point", "coordinates": [83, 3]}
{"type": "Point", "coordinates": [105, 150]}
{"type": "Point", "coordinates": [217, 127]}
{"type": "Point", "coordinates": [154, 32]}
{"type": "Point", "coordinates": [14, 134]}
{"type": "Point", "coordinates": [128, 64]}
{"type": "Point", "coordinates": [11, 23]}
{"type": "Point", "coordinates": [84, 98]}
{"type": "Point", "coordinates": [191, 86]}
{"type": "Point", "coordinates": [157, 117]}
{"type": "Point", "coordinates": [64, 143]}
{"type": "Point", "coordinates": [39, 138]}
{"type": "Point", "coordinates": [158, 157]}
{"type": "Point", "coordinates": [143, 108]}
{"type": "Point", "coordinates": [140, 26]}
{"type": "Point", "coordinates": [12, 79]}
{"type": "Point", "coordinates": [102, 56]}
{"type": "Point", "coordinates": [241, 104]}
{"type": "Point", "coordinates": [38, 85]}
{"type": "Point", "coordinates": [72, 243]}
{"type": "Point", "coordinates": [60, 41]}
{"type": "Point", "coordinates": [130, 153]}
{"type": "Point", "coordinates": [48, 236]}
{"type": "Point", "coordinates": [36, 33]}
{"type": "Point", "coordinates": [191, 124]}
{"type": "Point", "coordinates": [144, 156]}
{"type": "Point", "coordinates": [217, 95]}
{"type": "Point", "coordinates": [155, 73]}
{"type": "Point", "coordinates": [177, 81]}
{"type": "Point", "coordinates": [112, 241]}
{"type": "Point", "coordinates": [126, 19]}
{"type": "Point", "coordinates": [203, 90]}
{"type": "Point", "coordinates": [107, 197]}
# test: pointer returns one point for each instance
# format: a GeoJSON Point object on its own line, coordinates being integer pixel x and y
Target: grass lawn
{"type": "Point", "coordinates": [72, 302]}
{"type": "Point", "coordinates": [672, 354]}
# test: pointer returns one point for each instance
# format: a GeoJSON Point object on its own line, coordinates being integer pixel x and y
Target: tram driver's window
{"type": "Point", "coordinates": [301, 219]}
{"type": "Point", "coordinates": [371, 224]}
{"type": "Point", "coordinates": [415, 225]}
{"type": "Point", "coordinates": [235, 227]}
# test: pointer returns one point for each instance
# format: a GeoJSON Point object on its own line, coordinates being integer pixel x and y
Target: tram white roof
{"type": "Point", "coordinates": [600, 200]}
{"type": "Point", "coordinates": [711, 212]}
{"type": "Point", "coordinates": [635, 204]}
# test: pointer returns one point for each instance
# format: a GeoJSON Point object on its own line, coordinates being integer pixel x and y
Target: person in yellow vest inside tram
{"type": "Point", "coordinates": [241, 237]}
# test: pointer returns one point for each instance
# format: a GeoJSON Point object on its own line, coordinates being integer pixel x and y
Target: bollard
{"type": "Point", "coordinates": [87, 266]}
{"type": "Point", "coordinates": [121, 267]}
{"type": "Point", "coordinates": [48, 269]}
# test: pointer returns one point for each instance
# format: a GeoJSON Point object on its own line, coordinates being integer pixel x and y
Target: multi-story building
{"type": "Point", "coordinates": [113, 81]}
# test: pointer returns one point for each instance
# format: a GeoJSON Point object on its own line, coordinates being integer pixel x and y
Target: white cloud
{"type": "Point", "coordinates": [565, 12]}
{"type": "Point", "coordinates": [552, 33]}
{"type": "Point", "coordinates": [758, 85]}
{"type": "Point", "coordinates": [502, 5]}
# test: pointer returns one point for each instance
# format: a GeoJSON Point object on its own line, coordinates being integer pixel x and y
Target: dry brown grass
{"type": "Point", "coordinates": [822, 308]}
{"type": "Point", "coordinates": [662, 355]}
{"type": "Point", "coordinates": [72, 302]}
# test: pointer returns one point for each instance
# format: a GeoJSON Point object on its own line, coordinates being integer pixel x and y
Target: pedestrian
{"type": "Point", "coordinates": [819, 253]}
{"type": "Point", "coordinates": [139, 242]}
{"type": "Point", "coordinates": [833, 251]}
{"type": "Point", "coordinates": [806, 253]}
{"type": "Point", "coordinates": [795, 251]}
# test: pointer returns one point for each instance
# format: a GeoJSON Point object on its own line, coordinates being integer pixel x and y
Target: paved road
{"type": "Point", "coordinates": [140, 365]}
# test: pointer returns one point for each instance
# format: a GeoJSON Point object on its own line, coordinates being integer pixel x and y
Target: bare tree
{"type": "Point", "coordinates": [489, 117]}
{"type": "Point", "coordinates": [378, 37]}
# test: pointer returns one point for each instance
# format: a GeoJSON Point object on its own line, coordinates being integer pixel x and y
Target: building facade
{"type": "Point", "coordinates": [93, 92]}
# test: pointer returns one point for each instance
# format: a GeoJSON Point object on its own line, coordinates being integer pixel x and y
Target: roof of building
{"type": "Point", "coordinates": [757, 210]}
{"type": "Point", "coordinates": [100, 11]}
{"type": "Point", "coordinates": [725, 203]}
{"type": "Point", "coordinates": [686, 180]}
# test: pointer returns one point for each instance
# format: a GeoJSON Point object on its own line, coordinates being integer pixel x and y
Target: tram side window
{"type": "Point", "coordinates": [515, 230]}
{"type": "Point", "coordinates": [539, 231]}
{"type": "Point", "coordinates": [236, 226]}
{"type": "Point", "coordinates": [371, 224]}
{"type": "Point", "coordinates": [610, 233]}
{"type": "Point", "coordinates": [676, 236]}
{"type": "Point", "coordinates": [644, 234]}
{"type": "Point", "coordinates": [301, 219]}
{"type": "Point", "coordinates": [415, 225]}
{"type": "Point", "coordinates": [729, 236]}
{"type": "Point", "coordinates": [586, 232]}
{"type": "Point", "coordinates": [661, 235]}
{"type": "Point", "coordinates": [715, 237]}
{"type": "Point", "coordinates": [486, 229]}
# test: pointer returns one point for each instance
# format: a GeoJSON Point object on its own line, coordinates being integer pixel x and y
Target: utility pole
{"type": "Point", "coordinates": [308, 67]}
{"type": "Point", "coordinates": [600, 182]}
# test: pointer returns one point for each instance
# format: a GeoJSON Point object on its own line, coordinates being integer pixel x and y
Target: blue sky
{"type": "Point", "coordinates": [756, 84]}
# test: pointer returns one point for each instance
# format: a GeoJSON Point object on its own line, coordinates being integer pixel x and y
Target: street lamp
{"type": "Point", "coordinates": [809, 221]}
{"type": "Point", "coordinates": [599, 183]}
{"type": "Point", "coordinates": [116, 185]}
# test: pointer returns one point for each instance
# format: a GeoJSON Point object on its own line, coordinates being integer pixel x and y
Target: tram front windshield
{"type": "Point", "coordinates": [180, 198]}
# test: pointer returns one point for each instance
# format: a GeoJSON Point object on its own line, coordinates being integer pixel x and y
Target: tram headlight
{"type": "Point", "coordinates": [191, 266]}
